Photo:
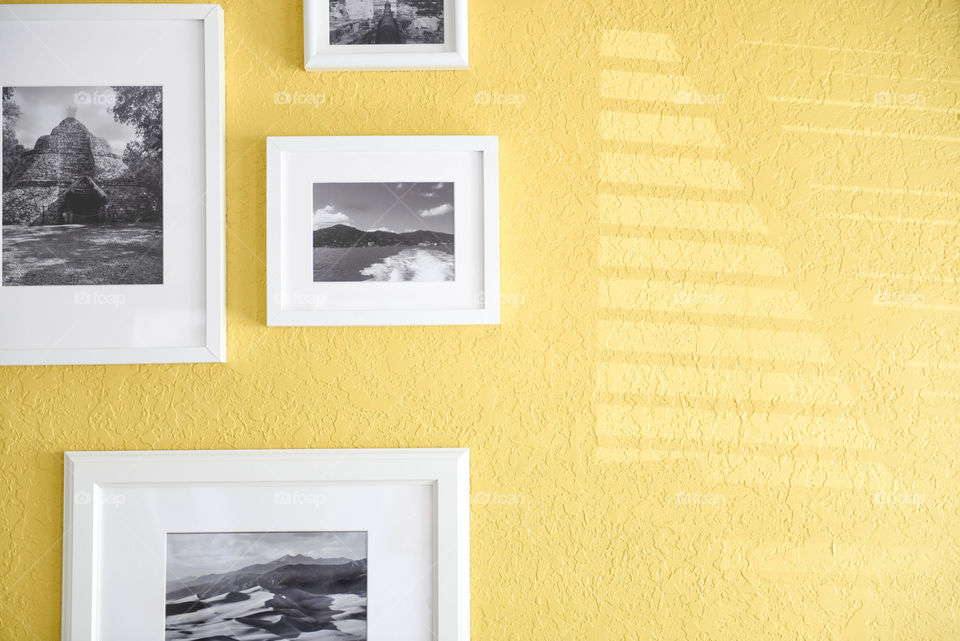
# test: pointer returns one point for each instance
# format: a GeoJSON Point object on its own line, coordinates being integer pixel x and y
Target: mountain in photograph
{"type": "Point", "coordinates": [292, 597]}
{"type": "Point", "coordinates": [260, 568]}
{"type": "Point", "coordinates": [347, 236]}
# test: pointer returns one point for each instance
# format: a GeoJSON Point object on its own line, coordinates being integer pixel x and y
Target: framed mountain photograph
{"type": "Point", "coordinates": [111, 243]}
{"type": "Point", "coordinates": [382, 231]}
{"type": "Point", "coordinates": [274, 585]}
{"type": "Point", "coordinates": [385, 34]}
{"type": "Point", "coordinates": [312, 545]}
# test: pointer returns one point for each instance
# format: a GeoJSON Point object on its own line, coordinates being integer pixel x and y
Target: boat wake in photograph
{"type": "Point", "coordinates": [413, 265]}
{"type": "Point", "coordinates": [390, 263]}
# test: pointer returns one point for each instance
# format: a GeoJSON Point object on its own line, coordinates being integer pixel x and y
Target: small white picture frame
{"type": "Point", "coordinates": [142, 529]}
{"type": "Point", "coordinates": [383, 230]}
{"type": "Point", "coordinates": [385, 35]}
{"type": "Point", "coordinates": [175, 311]}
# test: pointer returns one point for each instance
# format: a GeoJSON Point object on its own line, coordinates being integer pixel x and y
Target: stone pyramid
{"type": "Point", "coordinates": [64, 166]}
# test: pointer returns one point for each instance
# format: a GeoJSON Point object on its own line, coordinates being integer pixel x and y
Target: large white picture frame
{"type": "Point", "coordinates": [179, 315]}
{"type": "Point", "coordinates": [121, 510]}
{"type": "Point", "coordinates": [343, 212]}
{"type": "Point", "coordinates": [323, 51]}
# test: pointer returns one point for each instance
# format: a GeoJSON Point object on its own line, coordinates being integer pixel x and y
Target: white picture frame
{"type": "Point", "coordinates": [469, 164]}
{"type": "Point", "coordinates": [182, 320]}
{"type": "Point", "coordinates": [104, 492]}
{"type": "Point", "coordinates": [320, 54]}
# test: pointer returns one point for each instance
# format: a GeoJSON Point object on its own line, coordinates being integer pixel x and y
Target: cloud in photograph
{"type": "Point", "coordinates": [386, 206]}
{"type": "Point", "coordinates": [433, 191]}
{"type": "Point", "coordinates": [328, 216]}
{"type": "Point", "coordinates": [439, 210]}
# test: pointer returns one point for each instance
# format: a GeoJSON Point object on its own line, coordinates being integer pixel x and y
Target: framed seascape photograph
{"type": "Point", "coordinates": [313, 545]}
{"type": "Point", "coordinates": [111, 244]}
{"type": "Point", "coordinates": [382, 231]}
{"type": "Point", "coordinates": [385, 34]}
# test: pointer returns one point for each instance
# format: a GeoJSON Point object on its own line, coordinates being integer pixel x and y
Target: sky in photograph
{"type": "Point", "coordinates": [43, 108]}
{"type": "Point", "coordinates": [205, 553]}
{"type": "Point", "coordinates": [396, 207]}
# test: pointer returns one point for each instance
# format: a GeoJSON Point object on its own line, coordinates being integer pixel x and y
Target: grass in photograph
{"type": "Point", "coordinates": [101, 254]}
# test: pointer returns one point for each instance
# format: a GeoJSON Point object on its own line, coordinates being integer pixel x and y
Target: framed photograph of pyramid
{"type": "Point", "coordinates": [112, 186]}
{"type": "Point", "coordinates": [383, 230]}
{"type": "Point", "coordinates": [267, 545]}
{"type": "Point", "coordinates": [385, 34]}
{"type": "Point", "coordinates": [82, 186]}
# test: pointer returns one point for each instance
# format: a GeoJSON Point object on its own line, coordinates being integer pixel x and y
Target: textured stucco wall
{"type": "Point", "coordinates": [723, 402]}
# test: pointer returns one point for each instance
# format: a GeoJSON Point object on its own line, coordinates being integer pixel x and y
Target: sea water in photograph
{"type": "Point", "coordinates": [386, 22]}
{"type": "Point", "coordinates": [262, 586]}
{"type": "Point", "coordinates": [383, 232]}
{"type": "Point", "coordinates": [82, 186]}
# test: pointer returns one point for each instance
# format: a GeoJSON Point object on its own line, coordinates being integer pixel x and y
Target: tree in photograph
{"type": "Point", "coordinates": [12, 149]}
{"type": "Point", "coordinates": [142, 109]}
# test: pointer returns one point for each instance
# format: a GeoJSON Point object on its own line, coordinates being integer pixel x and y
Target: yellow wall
{"type": "Point", "coordinates": [723, 402]}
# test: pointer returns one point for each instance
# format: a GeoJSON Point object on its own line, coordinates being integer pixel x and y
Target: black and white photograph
{"type": "Point", "coordinates": [383, 232]}
{"type": "Point", "coordinates": [418, 247]}
{"type": "Point", "coordinates": [82, 186]}
{"type": "Point", "coordinates": [386, 22]}
{"type": "Point", "coordinates": [266, 586]}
